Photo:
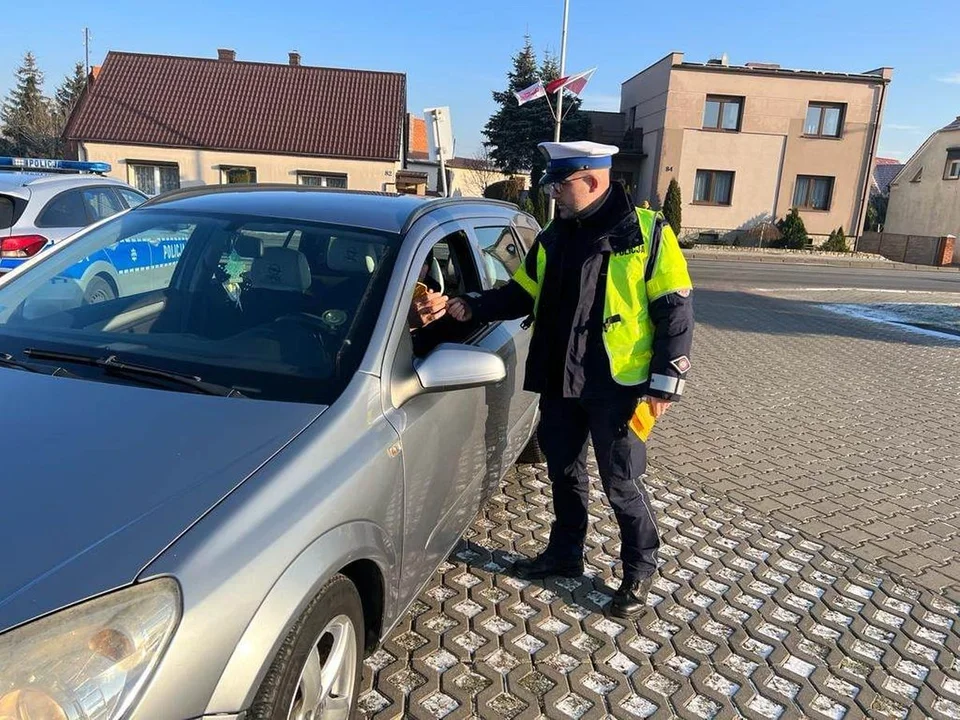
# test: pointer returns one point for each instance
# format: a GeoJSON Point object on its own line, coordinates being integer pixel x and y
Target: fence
{"type": "Point", "coordinates": [914, 249]}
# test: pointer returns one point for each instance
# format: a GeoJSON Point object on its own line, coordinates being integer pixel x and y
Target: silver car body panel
{"type": "Point", "coordinates": [136, 491]}
{"type": "Point", "coordinates": [282, 496]}
{"type": "Point", "coordinates": [332, 496]}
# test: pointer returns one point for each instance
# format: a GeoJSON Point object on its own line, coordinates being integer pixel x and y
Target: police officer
{"type": "Point", "coordinates": [608, 292]}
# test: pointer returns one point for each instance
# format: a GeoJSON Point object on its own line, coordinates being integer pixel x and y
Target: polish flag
{"type": "Point", "coordinates": [531, 93]}
{"type": "Point", "coordinates": [574, 83]}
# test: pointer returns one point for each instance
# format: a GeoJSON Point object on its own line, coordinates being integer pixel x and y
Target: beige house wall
{"type": "Point", "coordinates": [202, 167]}
{"type": "Point", "coordinates": [771, 141]}
{"type": "Point", "coordinates": [767, 154]}
{"type": "Point", "coordinates": [931, 206]}
{"type": "Point", "coordinates": [648, 92]}
{"type": "Point", "coordinates": [471, 183]}
{"type": "Point", "coordinates": [755, 161]}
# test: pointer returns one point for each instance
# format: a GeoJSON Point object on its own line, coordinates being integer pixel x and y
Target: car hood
{"type": "Point", "coordinates": [97, 479]}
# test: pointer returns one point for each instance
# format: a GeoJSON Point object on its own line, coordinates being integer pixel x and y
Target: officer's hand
{"type": "Point", "coordinates": [459, 310]}
{"type": "Point", "coordinates": [432, 306]}
{"type": "Point", "coordinates": [658, 406]}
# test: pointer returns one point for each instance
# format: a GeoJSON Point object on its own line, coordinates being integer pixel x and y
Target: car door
{"type": "Point", "coordinates": [449, 439]}
{"type": "Point", "coordinates": [501, 254]}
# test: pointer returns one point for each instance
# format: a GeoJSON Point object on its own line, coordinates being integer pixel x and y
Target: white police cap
{"type": "Point", "coordinates": [565, 158]}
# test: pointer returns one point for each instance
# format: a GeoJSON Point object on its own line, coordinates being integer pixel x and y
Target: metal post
{"type": "Point", "coordinates": [86, 49]}
{"type": "Point", "coordinates": [443, 167]}
{"type": "Point", "coordinates": [559, 119]}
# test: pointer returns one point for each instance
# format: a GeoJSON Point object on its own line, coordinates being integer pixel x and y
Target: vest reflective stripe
{"type": "Point", "coordinates": [628, 330]}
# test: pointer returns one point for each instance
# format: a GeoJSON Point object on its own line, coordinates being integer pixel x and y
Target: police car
{"type": "Point", "coordinates": [43, 201]}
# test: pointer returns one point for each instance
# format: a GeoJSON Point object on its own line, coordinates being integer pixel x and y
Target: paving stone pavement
{"type": "Point", "coordinates": [847, 428]}
{"type": "Point", "coordinates": [808, 495]}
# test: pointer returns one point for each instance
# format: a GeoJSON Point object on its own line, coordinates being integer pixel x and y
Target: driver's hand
{"type": "Point", "coordinates": [459, 309]}
{"type": "Point", "coordinates": [432, 306]}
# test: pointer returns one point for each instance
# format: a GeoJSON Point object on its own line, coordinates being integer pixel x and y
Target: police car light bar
{"type": "Point", "coordinates": [51, 164]}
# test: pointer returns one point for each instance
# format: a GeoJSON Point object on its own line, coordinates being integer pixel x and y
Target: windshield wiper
{"type": "Point", "coordinates": [112, 365]}
{"type": "Point", "coordinates": [7, 360]}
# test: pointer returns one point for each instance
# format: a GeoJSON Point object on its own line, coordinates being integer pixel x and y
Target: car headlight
{"type": "Point", "coordinates": [90, 661]}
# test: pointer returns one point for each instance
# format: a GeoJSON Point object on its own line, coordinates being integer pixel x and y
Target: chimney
{"type": "Point", "coordinates": [226, 54]}
{"type": "Point", "coordinates": [295, 59]}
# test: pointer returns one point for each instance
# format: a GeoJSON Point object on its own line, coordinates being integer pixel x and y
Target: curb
{"type": "Point", "coordinates": [794, 260]}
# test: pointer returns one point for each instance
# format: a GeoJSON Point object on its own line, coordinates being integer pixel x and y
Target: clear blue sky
{"type": "Point", "coordinates": [455, 53]}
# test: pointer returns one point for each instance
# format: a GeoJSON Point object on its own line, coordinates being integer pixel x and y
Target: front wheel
{"type": "Point", "coordinates": [316, 674]}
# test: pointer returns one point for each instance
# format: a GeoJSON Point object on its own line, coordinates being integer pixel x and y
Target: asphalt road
{"type": "Point", "coordinates": [732, 274]}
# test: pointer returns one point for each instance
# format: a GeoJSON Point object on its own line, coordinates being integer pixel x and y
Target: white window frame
{"type": "Point", "coordinates": [156, 166]}
{"type": "Point", "coordinates": [952, 170]}
{"type": "Point", "coordinates": [324, 176]}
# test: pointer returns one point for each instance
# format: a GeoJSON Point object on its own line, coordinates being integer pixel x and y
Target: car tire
{"type": "Point", "coordinates": [532, 454]}
{"type": "Point", "coordinates": [327, 636]}
{"type": "Point", "coordinates": [98, 290]}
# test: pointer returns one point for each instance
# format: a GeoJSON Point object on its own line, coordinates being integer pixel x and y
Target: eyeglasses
{"type": "Point", "coordinates": [554, 188]}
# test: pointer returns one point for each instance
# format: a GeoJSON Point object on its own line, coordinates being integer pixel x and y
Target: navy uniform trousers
{"type": "Point", "coordinates": [565, 424]}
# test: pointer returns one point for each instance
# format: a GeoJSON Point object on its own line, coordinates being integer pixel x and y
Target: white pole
{"type": "Point", "coordinates": [443, 167]}
{"type": "Point", "coordinates": [558, 121]}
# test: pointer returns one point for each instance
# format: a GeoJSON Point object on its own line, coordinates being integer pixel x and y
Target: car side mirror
{"type": "Point", "coordinates": [456, 367]}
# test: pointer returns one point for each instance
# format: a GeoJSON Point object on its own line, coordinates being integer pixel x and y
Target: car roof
{"type": "Point", "coordinates": [15, 179]}
{"type": "Point", "coordinates": [384, 212]}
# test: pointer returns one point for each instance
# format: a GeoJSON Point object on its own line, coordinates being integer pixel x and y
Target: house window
{"type": "Point", "coordinates": [237, 175]}
{"type": "Point", "coordinates": [824, 120]}
{"type": "Point", "coordinates": [952, 170]}
{"type": "Point", "coordinates": [813, 193]}
{"type": "Point", "coordinates": [153, 178]}
{"type": "Point", "coordinates": [919, 176]}
{"type": "Point", "coordinates": [713, 187]}
{"type": "Point", "coordinates": [326, 180]}
{"type": "Point", "coordinates": [722, 113]}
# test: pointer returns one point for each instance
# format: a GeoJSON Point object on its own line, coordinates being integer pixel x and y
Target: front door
{"type": "Point", "coordinates": [446, 437]}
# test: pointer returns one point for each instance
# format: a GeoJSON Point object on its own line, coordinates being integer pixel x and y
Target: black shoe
{"type": "Point", "coordinates": [548, 565]}
{"type": "Point", "coordinates": [630, 600]}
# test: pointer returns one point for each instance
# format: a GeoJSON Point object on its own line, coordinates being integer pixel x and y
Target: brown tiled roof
{"type": "Point", "coordinates": [172, 101]}
{"type": "Point", "coordinates": [419, 148]}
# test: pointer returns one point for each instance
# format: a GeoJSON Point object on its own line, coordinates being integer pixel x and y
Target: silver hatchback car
{"type": "Point", "coordinates": [223, 488]}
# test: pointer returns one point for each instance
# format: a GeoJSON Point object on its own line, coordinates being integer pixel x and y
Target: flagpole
{"type": "Point", "coordinates": [558, 118]}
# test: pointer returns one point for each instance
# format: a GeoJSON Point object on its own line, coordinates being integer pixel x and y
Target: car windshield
{"type": "Point", "coordinates": [275, 309]}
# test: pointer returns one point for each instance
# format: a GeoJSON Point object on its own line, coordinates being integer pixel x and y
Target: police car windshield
{"type": "Point", "coordinates": [279, 310]}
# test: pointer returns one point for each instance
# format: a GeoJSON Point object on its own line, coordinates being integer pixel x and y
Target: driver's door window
{"type": "Point", "coordinates": [501, 253]}
{"type": "Point", "coordinates": [448, 269]}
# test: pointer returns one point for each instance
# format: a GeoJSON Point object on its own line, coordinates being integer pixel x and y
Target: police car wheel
{"type": "Point", "coordinates": [98, 290]}
{"type": "Point", "coordinates": [316, 673]}
{"type": "Point", "coordinates": [532, 454]}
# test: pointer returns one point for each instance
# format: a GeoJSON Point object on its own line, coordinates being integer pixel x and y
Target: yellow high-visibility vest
{"type": "Point", "coordinates": [627, 328]}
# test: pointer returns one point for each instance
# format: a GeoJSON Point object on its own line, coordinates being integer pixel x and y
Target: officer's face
{"type": "Point", "coordinates": [576, 193]}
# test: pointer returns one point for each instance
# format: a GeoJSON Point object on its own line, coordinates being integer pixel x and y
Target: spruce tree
{"type": "Point", "coordinates": [672, 206]}
{"type": "Point", "coordinates": [70, 89]}
{"type": "Point", "coordinates": [27, 118]}
{"type": "Point", "coordinates": [792, 231]}
{"type": "Point", "coordinates": [513, 131]}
